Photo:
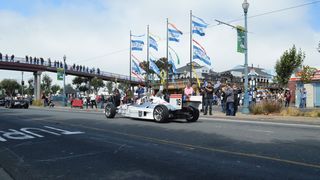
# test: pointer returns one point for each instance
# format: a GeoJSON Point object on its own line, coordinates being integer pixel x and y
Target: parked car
{"type": "Point", "coordinates": [2, 102]}
{"type": "Point", "coordinates": [12, 103]}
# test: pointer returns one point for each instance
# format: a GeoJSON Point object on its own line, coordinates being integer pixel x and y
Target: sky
{"type": "Point", "coordinates": [95, 33]}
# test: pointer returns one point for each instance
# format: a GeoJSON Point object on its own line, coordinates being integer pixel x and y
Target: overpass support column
{"type": "Point", "coordinates": [37, 84]}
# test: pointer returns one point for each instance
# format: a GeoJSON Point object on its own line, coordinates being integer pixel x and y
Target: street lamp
{"type": "Point", "coordinates": [245, 109]}
{"type": "Point", "coordinates": [64, 80]}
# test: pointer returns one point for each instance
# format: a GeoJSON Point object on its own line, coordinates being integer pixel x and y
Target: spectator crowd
{"type": "Point", "coordinates": [49, 63]}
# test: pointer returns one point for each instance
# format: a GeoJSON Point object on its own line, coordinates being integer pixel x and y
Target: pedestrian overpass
{"type": "Point", "coordinates": [36, 67]}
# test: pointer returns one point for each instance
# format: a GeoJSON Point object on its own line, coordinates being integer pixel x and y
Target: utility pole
{"type": "Point", "coordinates": [191, 48]}
{"type": "Point", "coordinates": [130, 68]}
{"type": "Point", "coordinates": [167, 56]}
{"type": "Point", "coordinates": [22, 84]}
{"type": "Point", "coordinates": [64, 81]}
{"type": "Point", "coordinates": [148, 59]}
{"type": "Point", "coordinates": [245, 109]}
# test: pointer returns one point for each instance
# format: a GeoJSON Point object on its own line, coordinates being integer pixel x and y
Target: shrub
{"type": "Point", "coordinates": [312, 114]}
{"type": "Point", "coordinates": [272, 107]}
{"type": "Point", "coordinates": [37, 103]}
{"type": "Point", "coordinates": [266, 108]}
{"type": "Point", "coordinates": [291, 112]}
{"type": "Point", "coordinates": [256, 109]}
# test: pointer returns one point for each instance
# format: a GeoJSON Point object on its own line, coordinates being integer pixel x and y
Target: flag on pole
{"type": "Point", "coordinates": [178, 59]}
{"type": "Point", "coordinates": [198, 53]}
{"type": "Point", "coordinates": [174, 33]}
{"type": "Point", "coordinates": [136, 59]}
{"type": "Point", "coordinates": [139, 76]}
{"type": "Point", "coordinates": [174, 69]}
{"type": "Point", "coordinates": [154, 67]}
{"type": "Point", "coordinates": [137, 45]}
{"type": "Point", "coordinates": [136, 68]}
{"type": "Point", "coordinates": [198, 25]}
{"type": "Point", "coordinates": [153, 43]}
{"type": "Point", "coordinates": [241, 39]}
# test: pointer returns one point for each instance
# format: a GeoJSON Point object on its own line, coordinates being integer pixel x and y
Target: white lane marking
{"type": "Point", "coordinates": [65, 132]}
{"type": "Point", "coordinates": [259, 130]}
{"type": "Point", "coordinates": [268, 123]}
{"type": "Point", "coordinates": [71, 157]}
{"type": "Point", "coordinates": [27, 133]}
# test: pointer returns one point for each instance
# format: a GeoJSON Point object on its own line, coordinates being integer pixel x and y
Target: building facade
{"type": "Point", "coordinates": [313, 90]}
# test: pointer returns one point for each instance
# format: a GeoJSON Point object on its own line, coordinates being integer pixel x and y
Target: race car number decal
{"type": "Point", "coordinates": [178, 102]}
{"type": "Point", "coordinates": [140, 114]}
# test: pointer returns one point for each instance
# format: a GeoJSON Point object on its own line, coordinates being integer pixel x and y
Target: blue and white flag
{"type": "Point", "coordinates": [136, 68]}
{"type": "Point", "coordinates": [198, 25]}
{"type": "Point", "coordinates": [198, 53]}
{"type": "Point", "coordinates": [153, 43]}
{"type": "Point", "coordinates": [174, 69]}
{"type": "Point", "coordinates": [137, 45]}
{"type": "Point", "coordinates": [154, 67]}
{"type": "Point", "coordinates": [174, 34]}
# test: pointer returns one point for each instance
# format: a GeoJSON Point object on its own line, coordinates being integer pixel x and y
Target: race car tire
{"type": "Point", "coordinates": [26, 106]}
{"type": "Point", "coordinates": [161, 113]}
{"type": "Point", "coordinates": [110, 110]}
{"type": "Point", "coordinates": [194, 112]}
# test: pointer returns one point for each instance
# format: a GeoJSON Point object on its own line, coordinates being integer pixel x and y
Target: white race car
{"type": "Point", "coordinates": [155, 108]}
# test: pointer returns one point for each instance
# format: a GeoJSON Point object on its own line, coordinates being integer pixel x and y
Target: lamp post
{"type": "Point", "coordinates": [245, 109]}
{"type": "Point", "coordinates": [64, 80]}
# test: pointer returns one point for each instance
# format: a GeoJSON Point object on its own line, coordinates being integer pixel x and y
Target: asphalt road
{"type": "Point", "coordinates": [57, 144]}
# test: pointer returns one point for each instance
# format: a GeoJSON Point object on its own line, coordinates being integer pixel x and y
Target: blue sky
{"type": "Point", "coordinates": [315, 16]}
{"type": "Point", "coordinates": [89, 31]}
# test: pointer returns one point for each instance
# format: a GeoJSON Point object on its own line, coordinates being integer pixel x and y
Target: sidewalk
{"type": "Point", "coordinates": [216, 114]}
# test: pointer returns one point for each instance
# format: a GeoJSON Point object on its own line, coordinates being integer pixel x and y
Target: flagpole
{"type": "Point", "coordinates": [191, 46]}
{"type": "Point", "coordinates": [147, 83]}
{"type": "Point", "coordinates": [130, 54]}
{"type": "Point", "coordinates": [167, 55]}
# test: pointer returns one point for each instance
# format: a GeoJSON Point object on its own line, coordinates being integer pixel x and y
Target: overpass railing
{"type": "Point", "coordinates": [59, 64]}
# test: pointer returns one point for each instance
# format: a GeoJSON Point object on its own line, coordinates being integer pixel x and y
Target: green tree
{"type": "Point", "coordinates": [96, 83]}
{"type": "Point", "coordinates": [55, 88]}
{"type": "Point", "coordinates": [288, 63]}
{"type": "Point", "coordinates": [307, 74]}
{"type": "Point", "coordinates": [69, 89]}
{"type": "Point", "coordinates": [123, 86]}
{"type": "Point", "coordinates": [46, 83]}
{"type": "Point", "coordinates": [109, 86]}
{"type": "Point", "coordinates": [30, 88]}
{"type": "Point", "coordinates": [161, 63]}
{"type": "Point", "coordinates": [81, 83]}
{"type": "Point", "coordinates": [10, 85]}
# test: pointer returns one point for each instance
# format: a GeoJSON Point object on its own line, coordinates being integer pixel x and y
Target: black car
{"type": "Point", "coordinates": [2, 102]}
{"type": "Point", "coordinates": [17, 103]}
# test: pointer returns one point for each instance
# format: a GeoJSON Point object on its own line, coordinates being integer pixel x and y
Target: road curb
{"type": "Point", "coordinates": [216, 115]}
{"type": "Point", "coordinates": [4, 175]}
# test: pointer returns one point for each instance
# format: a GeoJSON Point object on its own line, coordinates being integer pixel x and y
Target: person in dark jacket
{"type": "Point", "coordinates": [236, 94]}
{"type": "Point", "coordinates": [223, 99]}
{"type": "Point", "coordinates": [12, 58]}
{"type": "Point", "coordinates": [229, 100]}
{"type": "Point", "coordinates": [208, 98]}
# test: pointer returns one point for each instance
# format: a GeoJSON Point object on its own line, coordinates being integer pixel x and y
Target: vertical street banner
{"type": "Point", "coordinates": [241, 39]}
{"type": "Point", "coordinates": [59, 74]}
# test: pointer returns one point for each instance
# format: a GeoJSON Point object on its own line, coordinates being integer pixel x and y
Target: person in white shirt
{"type": "Point", "coordinates": [93, 100]}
